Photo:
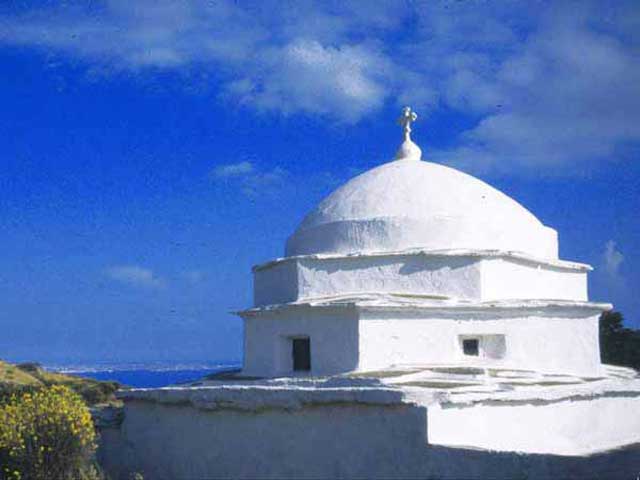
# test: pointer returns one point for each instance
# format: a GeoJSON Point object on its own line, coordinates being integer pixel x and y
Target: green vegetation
{"type": "Point", "coordinates": [30, 376]}
{"type": "Point", "coordinates": [46, 434]}
{"type": "Point", "coordinates": [618, 345]}
{"type": "Point", "coordinates": [12, 377]}
{"type": "Point", "coordinates": [46, 429]}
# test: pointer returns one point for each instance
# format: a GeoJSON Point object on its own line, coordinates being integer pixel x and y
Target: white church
{"type": "Point", "coordinates": [419, 325]}
{"type": "Point", "coordinates": [416, 263]}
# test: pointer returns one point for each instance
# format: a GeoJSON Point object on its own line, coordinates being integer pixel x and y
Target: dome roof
{"type": "Point", "coordinates": [409, 203]}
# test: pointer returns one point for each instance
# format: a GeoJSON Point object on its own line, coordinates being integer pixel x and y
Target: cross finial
{"type": "Point", "coordinates": [408, 150]}
{"type": "Point", "coordinates": [406, 119]}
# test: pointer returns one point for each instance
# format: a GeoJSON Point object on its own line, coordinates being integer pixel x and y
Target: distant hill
{"type": "Point", "coordinates": [26, 376]}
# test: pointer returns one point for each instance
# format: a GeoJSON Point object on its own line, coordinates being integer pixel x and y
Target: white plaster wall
{"type": "Point", "coordinates": [457, 277]}
{"type": "Point", "coordinates": [360, 441]}
{"type": "Point", "coordinates": [504, 278]}
{"type": "Point", "coordinates": [351, 441]}
{"type": "Point", "coordinates": [562, 343]}
{"type": "Point", "coordinates": [276, 284]}
{"type": "Point", "coordinates": [568, 427]}
{"type": "Point", "coordinates": [333, 335]}
{"type": "Point", "coordinates": [463, 277]}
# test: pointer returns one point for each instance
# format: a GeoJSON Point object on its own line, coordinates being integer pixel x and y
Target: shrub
{"type": "Point", "coordinates": [618, 345]}
{"type": "Point", "coordinates": [46, 434]}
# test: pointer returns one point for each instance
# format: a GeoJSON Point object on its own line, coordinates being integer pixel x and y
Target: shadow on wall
{"type": "Point", "coordinates": [329, 441]}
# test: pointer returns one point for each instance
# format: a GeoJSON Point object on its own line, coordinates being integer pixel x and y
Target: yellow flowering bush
{"type": "Point", "coordinates": [46, 434]}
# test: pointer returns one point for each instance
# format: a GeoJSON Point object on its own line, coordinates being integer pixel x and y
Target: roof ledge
{"type": "Point", "coordinates": [521, 256]}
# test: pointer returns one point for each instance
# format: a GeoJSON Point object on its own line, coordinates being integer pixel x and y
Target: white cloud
{"type": "Point", "coordinates": [612, 259]}
{"type": "Point", "coordinates": [559, 99]}
{"type": "Point", "coordinates": [232, 170]}
{"type": "Point", "coordinates": [134, 35]}
{"type": "Point", "coordinates": [552, 87]}
{"type": "Point", "coordinates": [135, 276]}
{"type": "Point", "coordinates": [306, 76]}
{"type": "Point", "coordinates": [263, 55]}
{"type": "Point", "coordinates": [249, 180]}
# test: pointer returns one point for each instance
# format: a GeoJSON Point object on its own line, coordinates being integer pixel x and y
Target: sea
{"type": "Point", "coordinates": [146, 375]}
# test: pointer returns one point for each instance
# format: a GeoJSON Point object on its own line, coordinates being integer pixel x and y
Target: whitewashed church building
{"type": "Point", "coordinates": [420, 325]}
{"type": "Point", "coordinates": [416, 263]}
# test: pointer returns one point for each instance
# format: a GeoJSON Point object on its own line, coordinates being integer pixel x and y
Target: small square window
{"type": "Point", "coordinates": [301, 352]}
{"type": "Point", "coordinates": [471, 346]}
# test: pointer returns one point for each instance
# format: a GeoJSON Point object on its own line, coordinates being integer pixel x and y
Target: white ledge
{"type": "Point", "coordinates": [525, 257]}
{"type": "Point", "coordinates": [296, 393]}
{"type": "Point", "coordinates": [392, 301]}
{"type": "Point", "coordinates": [260, 397]}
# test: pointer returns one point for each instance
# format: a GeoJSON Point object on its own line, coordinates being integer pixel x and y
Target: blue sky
{"type": "Point", "coordinates": [153, 151]}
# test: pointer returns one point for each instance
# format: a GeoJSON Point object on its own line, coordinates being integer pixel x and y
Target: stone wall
{"type": "Point", "coordinates": [173, 441]}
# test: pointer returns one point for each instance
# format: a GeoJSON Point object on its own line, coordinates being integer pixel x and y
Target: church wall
{"type": "Point", "coordinates": [457, 277]}
{"type": "Point", "coordinates": [513, 279]}
{"type": "Point", "coordinates": [568, 427]}
{"type": "Point", "coordinates": [368, 441]}
{"type": "Point", "coordinates": [333, 335]}
{"type": "Point", "coordinates": [556, 343]}
{"type": "Point", "coordinates": [276, 284]}
{"type": "Point", "coordinates": [463, 277]}
{"type": "Point", "coordinates": [182, 442]}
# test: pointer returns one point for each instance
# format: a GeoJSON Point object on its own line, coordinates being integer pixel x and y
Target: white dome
{"type": "Point", "coordinates": [408, 203]}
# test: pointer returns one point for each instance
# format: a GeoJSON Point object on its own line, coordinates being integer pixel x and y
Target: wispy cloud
{"type": "Point", "coordinates": [612, 259]}
{"type": "Point", "coordinates": [232, 170]}
{"type": "Point", "coordinates": [134, 275]}
{"type": "Point", "coordinates": [267, 57]}
{"type": "Point", "coordinates": [549, 84]}
{"type": "Point", "coordinates": [264, 182]}
{"type": "Point", "coordinates": [306, 76]}
{"type": "Point", "coordinates": [249, 180]}
{"type": "Point", "coordinates": [562, 97]}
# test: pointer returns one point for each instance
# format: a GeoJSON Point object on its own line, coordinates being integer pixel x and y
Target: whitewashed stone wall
{"type": "Point", "coordinates": [367, 441]}
{"type": "Point", "coordinates": [345, 339]}
{"type": "Point", "coordinates": [504, 278]}
{"type": "Point", "coordinates": [566, 342]}
{"type": "Point", "coordinates": [466, 277]}
{"type": "Point", "coordinates": [333, 334]}
{"type": "Point", "coordinates": [568, 427]}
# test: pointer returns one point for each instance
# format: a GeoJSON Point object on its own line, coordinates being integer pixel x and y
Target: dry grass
{"type": "Point", "coordinates": [29, 376]}
{"type": "Point", "coordinates": [12, 375]}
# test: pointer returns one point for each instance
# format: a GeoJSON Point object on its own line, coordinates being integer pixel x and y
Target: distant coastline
{"type": "Point", "coordinates": [149, 375]}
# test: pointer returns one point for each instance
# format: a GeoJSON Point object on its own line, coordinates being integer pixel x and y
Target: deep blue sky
{"type": "Point", "coordinates": [151, 154]}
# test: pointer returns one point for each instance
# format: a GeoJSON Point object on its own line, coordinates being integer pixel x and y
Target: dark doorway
{"type": "Point", "coordinates": [301, 354]}
{"type": "Point", "coordinates": [470, 346]}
